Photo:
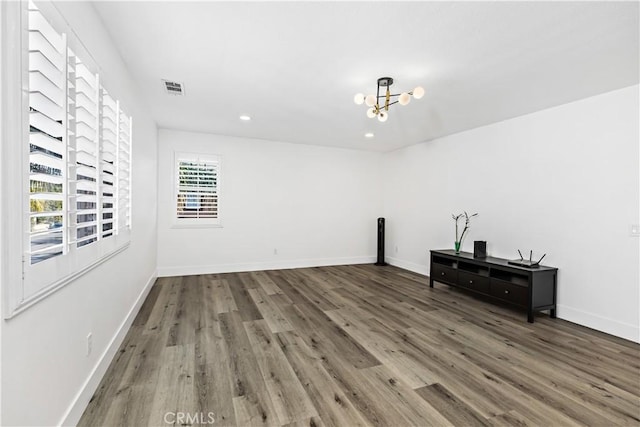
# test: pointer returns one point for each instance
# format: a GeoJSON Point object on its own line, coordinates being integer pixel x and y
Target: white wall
{"type": "Point", "coordinates": [314, 205]}
{"type": "Point", "coordinates": [563, 181]}
{"type": "Point", "coordinates": [3, 205]}
{"type": "Point", "coordinates": [46, 377]}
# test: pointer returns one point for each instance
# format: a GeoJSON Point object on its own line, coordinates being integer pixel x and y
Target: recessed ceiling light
{"type": "Point", "coordinates": [245, 118]}
{"type": "Point", "coordinates": [368, 135]}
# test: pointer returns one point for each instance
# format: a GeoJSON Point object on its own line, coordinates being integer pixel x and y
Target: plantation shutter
{"type": "Point", "coordinates": [47, 140]}
{"type": "Point", "coordinates": [86, 152]}
{"type": "Point", "coordinates": [109, 139]}
{"type": "Point", "coordinates": [197, 188]}
{"type": "Point", "coordinates": [124, 171]}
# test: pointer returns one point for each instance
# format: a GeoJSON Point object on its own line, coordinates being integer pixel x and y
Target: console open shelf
{"type": "Point", "coordinates": [532, 288]}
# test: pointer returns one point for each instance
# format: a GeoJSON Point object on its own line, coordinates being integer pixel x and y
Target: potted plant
{"type": "Point", "coordinates": [467, 219]}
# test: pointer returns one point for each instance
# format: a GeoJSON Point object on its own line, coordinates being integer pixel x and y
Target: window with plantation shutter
{"type": "Point", "coordinates": [77, 160]}
{"type": "Point", "coordinates": [197, 189]}
{"type": "Point", "coordinates": [47, 140]}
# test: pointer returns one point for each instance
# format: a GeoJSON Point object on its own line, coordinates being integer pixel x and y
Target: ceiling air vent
{"type": "Point", "coordinates": [173, 88]}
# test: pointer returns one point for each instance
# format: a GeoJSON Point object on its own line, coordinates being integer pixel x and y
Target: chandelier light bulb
{"type": "Point", "coordinates": [404, 98]}
{"type": "Point", "coordinates": [370, 100]}
{"type": "Point", "coordinates": [418, 92]}
{"type": "Point", "coordinates": [359, 98]}
{"type": "Point", "coordinates": [383, 116]}
{"type": "Point", "coordinates": [371, 113]}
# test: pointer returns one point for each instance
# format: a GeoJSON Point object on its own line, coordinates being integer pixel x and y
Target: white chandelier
{"type": "Point", "coordinates": [373, 101]}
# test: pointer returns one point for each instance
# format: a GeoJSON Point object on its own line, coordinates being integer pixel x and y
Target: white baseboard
{"type": "Point", "coordinates": [604, 324]}
{"type": "Point", "coordinates": [258, 266]}
{"type": "Point", "coordinates": [407, 265]}
{"type": "Point", "coordinates": [81, 400]}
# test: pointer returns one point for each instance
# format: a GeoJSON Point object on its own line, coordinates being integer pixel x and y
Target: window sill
{"type": "Point", "coordinates": [44, 293]}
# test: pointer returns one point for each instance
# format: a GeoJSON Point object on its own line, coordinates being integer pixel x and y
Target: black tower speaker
{"type": "Point", "coordinates": [381, 242]}
{"type": "Point", "coordinates": [479, 249]}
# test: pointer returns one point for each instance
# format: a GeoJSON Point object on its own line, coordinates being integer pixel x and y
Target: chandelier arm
{"type": "Point", "coordinates": [378, 109]}
{"type": "Point", "coordinates": [394, 94]}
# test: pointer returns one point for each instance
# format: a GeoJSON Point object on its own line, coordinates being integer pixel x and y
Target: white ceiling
{"type": "Point", "coordinates": [295, 66]}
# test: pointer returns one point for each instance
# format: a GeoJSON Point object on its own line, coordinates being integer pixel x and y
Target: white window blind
{"type": "Point", "coordinates": [47, 140]}
{"type": "Point", "coordinates": [78, 156]}
{"type": "Point", "coordinates": [107, 164]}
{"type": "Point", "coordinates": [197, 188]}
{"type": "Point", "coordinates": [124, 172]}
{"type": "Point", "coordinates": [86, 152]}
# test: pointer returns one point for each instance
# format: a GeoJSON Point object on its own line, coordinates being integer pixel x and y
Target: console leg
{"type": "Point", "coordinates": [530, 315]}
{"type": "Point", "coordinates": [552, 313]}
{"type": "Point", "coordinates": [430, 282]}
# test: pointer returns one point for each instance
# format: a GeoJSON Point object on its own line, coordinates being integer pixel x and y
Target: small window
{"type": "Point", "coordinates": [197, 189]}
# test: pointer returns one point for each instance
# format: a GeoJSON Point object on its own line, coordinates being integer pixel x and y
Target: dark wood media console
{"type": "Point", "coordinates": [531, 288]}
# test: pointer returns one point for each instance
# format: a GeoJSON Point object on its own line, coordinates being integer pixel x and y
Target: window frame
{"type": "Point", "coordinates": [179, 156]}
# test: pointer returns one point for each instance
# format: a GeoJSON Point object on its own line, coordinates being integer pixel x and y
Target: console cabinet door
{"type": "Point", "coordinates": [474, 282]}
{"type": "Point", "coordinates": [509, 292]}
{"type": "Point", "coordinates": [444, 274]}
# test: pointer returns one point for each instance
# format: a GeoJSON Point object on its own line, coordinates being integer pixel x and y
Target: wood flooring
{"type": "Point", "coordinates": [357, 345]}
